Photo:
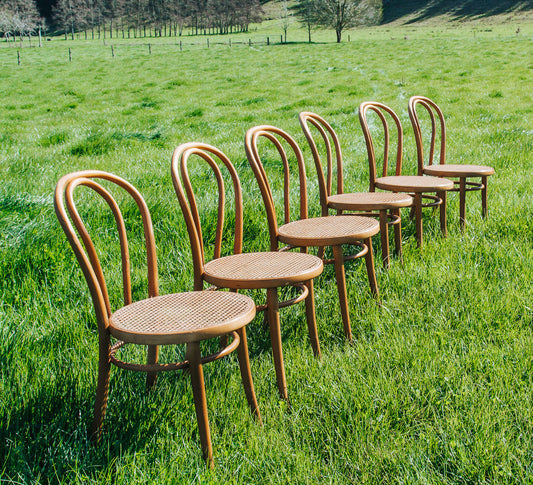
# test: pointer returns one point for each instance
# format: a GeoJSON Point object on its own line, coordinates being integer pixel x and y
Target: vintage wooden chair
{"type": "Point", "coordinates": [179, 318]}
{"type": "Point", "coordinates": [420, 187]}
{"type": "Point", "coordinates": [442, 169]}
{"type": "Point", "coordinates": [323, 231]}
{"type": "Point", "coordinates": [383, 205]}
{"type": "Point", "coordinates": [257, 270]}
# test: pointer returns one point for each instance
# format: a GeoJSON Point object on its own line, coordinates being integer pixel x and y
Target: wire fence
{"type": "Point", "coordinates": [116, 49]}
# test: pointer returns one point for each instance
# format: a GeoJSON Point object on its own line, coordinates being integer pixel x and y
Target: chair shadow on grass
{"type": "Point", "coordinates": [47, 437]}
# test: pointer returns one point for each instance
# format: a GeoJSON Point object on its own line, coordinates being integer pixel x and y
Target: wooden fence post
{"type": "Point", "coordinates": [69, 55]}
{"type": "Point", "coordinates": [268, 40]}
{"type": "Point", "coordinates": [149, 48]}
{"type": "Point", "coordinates": [112, 51]}
{"type": "Point", "coordinates": [18, 57]}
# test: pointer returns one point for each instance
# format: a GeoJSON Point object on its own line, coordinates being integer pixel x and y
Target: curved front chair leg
{"type": "Point", "coordinates": [311, 318]}
{"type": "Point", "coordinates": [418, 219]}
{"type": "Point", "coordinates": [384, 230]}
{"type": "Point", "coordinates": [102, 389]}
{"type": "Point", "coordinates": [200, 402]}
{"type": "Point", "coordinates": [443, 225]}
{"type": "Point", "coordinates": [369, 260]}
{"type": "Point", "coordinates": [398, 234]}
{"type": "Point", "coordinates": [484, 207]}
{"type": "Point", "coordinates": [462, 203]}
{"type": "Point", "coordinates": [246, 375]}
{"type": "Point", "coordinates": [152, 357]}
{"type": "Point", "coordinates": [341, 289]}
{"type": "Point", "coordinates": [275, 339]}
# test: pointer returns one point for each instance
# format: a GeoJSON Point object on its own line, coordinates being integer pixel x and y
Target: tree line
{"type": "Point", "coordinates": [141, 18]}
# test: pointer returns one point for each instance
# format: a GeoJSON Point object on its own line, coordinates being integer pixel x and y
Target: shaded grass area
{"type": "Point", "coordinates": [421, 10]}
{"type": "Point", "coordinates": [437, 385]}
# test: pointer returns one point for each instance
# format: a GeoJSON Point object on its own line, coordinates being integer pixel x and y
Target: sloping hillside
{"type": "Point", "coordinates": [420, 10]}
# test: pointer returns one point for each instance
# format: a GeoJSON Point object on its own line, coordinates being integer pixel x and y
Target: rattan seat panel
{"type": "Point", "coordinates": [329, 230]}
{"type": "Point", "coordinates": [369, 201]}
{"type": "Point", "coordinates": [457, 170]}
{"type": "Point", "coordinates": [262, 269]}
{"type": "Point", "coordinates": [414, 183]}
{"type": "Point", "coordinates": [181, 317]}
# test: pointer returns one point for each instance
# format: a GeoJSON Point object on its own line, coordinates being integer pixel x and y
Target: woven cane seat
{"type": "Point", "coordinates": [328, 231]}
{"type": "Point", "coordinates": [369, 201]}
{"type": "Point", "coordinates": [414, 183]}
{"type": "Point", "coordinates": [181, 317]}
{"type": "Point", "coordinates": [262, 269]}
{"type": "Point", "coordinates": [451, 170]}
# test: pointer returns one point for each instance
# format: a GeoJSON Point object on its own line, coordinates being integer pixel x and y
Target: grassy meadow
{"type": "Point", "coordinates": [437, 385]}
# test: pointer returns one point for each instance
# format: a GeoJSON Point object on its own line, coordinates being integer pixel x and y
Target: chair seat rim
{"type": "Point", "coordinates": [458, 170]}
{"type": "Point", "coordinates": [264, 269]}
{"type": "Point", "coordinates": [414, 183]}
{"type": "Point", "coordinates": [328, 230]}
{"type": "Point", "coordinates": [369, 201]}
{"type": "Point", "coordinates": [178, 318]}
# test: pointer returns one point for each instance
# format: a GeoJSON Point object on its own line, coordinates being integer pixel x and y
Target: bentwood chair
{"type": "Point", "coordinates": [179, 318]}
{"type": "Point", "coordinates": [307, 232]}
{"type": "Point", "coordinates": [383, 205]}
{"type": "Point", "coordinates": [257, 270]}
{"type": "Point", "coordinates": [420, 187]}
{"type": "Point", "coordinates": [442, 169]}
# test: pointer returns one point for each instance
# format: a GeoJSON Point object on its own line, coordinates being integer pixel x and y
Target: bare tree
{"type": "Point", "coordinates": [18, 17]}
{"type": "Point", "coordinates": [70, 14]}
{"type": "Point", "coordinates": [305, 11]}
{"type": "Point", "coordinates": [344, 14]}
{"type": "Point", "coordinates": [285, 18]}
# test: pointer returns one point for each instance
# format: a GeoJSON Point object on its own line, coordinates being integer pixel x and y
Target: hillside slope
{"type": "Point", "coordinates": [420, 10]}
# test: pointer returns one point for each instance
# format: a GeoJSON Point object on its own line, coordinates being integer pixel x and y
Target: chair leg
{"type": "Point", "coordinates": [462, 202]}
{"type": "Point", "coordinates": [341, 288]}
{"type": "Point", "coordinates": [418, 219]}
{"type": "Point", "coordinates": [369, 260]}
{"type": "Point", "coordinates": [275, 338]}
{"type": "Point", "coordinates": [384, 230]}
{"type": "Point", "coordinates": [311, 318]}
{"type": "Point", "coordinates": [153, 355]}
{"type": "Point", "coordinates": [102, 390]}
{"type": "Point", "coordinates": [484, 208]}
{"type": "Point", "coordinates": [443, 225]}
{"type": "Point", "coordinates": [200, 402]}
{"type": "Point", "coordinates": [398, 235]}
{"type": "Point", "coordinates": [246, 374]}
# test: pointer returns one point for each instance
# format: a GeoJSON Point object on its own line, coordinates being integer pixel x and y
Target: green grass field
{"type": "Point", "coordinates": [438, 384]}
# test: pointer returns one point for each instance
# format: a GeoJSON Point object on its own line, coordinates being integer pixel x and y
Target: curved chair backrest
{"type": "Point", "coordinates": [332, 147]}
{"type": "Point", "coordinates": [382, 111]}
{"type": "Point", "coordinates": [278, 138]}
{"type": "Point", "coordinates": [435, 114]}
{"type": "Point", "coordinates": [82, 244]}
{"type": "Point", "coordinates": [189, 207]}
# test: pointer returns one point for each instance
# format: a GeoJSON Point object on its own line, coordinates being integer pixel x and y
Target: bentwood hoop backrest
{"type": "Point", "coordinates": [332, 147]}
{"type": "Point", "coordinates": [435, 114]}
{"type": "Point", "coordinates": [82, 244]}
{"type": "Point", "coordinates": [278, 138]}
{"type": "Point", "coordinates": [382, 111]}
{"type": "Point", "coordinates": [189, 207]}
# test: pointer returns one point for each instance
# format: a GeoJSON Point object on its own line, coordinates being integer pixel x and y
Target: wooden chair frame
{"type": "Point", "coordinates": [386, 208]}
{"type": "Point", "coordinates": [87, 256]}
{"type": "Point", "coordinates": [268, 280]}
{"type": "Point", "coordinates": [461, 172]}
{"type": "Point", "coordinates": [277, 137]}
{"type": "Point", "coordinates": [418, 187]}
